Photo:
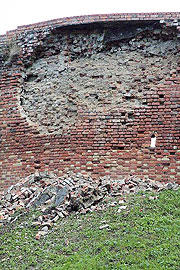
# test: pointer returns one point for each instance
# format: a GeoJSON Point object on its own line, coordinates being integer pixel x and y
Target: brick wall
{"type": "Point", "coordinates": [97, 136]}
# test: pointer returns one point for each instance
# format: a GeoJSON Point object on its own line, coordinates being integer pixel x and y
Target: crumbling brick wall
{"type": "Point", "coordinates": [85, 94]}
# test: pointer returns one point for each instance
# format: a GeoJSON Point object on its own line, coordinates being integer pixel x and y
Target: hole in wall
{"type": "Point", "coordinates": [144, 103]}
{"type": "Point", "coordinates": [37, 164]}
{"type": "Point", "coordinates": [31, 78]}
{"type": "Point", "coordinates": [96, 161]}
{"type": "Point", "coordinates": [21, 101]}
{"type": "Point", "coordinates": [129, 98]}
{"type": "Point", "coordinates": [67, 159]}
{"type": "Point", "coordinates": [167, 164]}
{"type": "Point", "coordinates": [96, 76]}
{"type": "Point", "coordinates": [37, 161]}
{"type": "Point", "coordinates": [130, 115]}
{"type": "Point", "coordinates": [118, 147]}
{"type": "Point", "coordinates": [37, 167]}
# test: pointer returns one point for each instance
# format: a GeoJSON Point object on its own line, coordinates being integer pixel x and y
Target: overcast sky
{"type": "Point", "coordinates": [15, 13]}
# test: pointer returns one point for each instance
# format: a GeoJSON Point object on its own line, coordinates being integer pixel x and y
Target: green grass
{"type": "Point", "coordinates": [146, 236]}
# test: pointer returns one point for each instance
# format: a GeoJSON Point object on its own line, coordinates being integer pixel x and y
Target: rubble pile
{"type": "Point", "coordinates": [56, 197]}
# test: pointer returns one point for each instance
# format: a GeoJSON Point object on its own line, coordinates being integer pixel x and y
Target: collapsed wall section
{"type": "Point", "coordinates": [88, 98]}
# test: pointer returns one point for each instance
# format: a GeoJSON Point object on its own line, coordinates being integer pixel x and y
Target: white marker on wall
{"type": "Point", "coordinates": [153, 141]}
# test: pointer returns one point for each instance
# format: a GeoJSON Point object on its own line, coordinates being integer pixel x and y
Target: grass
{"type": "Point", "coordinates": [144, 236]}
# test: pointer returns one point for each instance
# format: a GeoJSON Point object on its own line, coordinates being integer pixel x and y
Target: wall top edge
{"type": "Point", "coordinates": [95, 18]}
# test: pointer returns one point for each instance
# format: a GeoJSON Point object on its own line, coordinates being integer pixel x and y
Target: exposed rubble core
{"type": "Point", "coordinates": [95, 71]}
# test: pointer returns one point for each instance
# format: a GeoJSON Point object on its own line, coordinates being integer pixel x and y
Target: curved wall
{"type": "Point", "coordinates": [88, 94]}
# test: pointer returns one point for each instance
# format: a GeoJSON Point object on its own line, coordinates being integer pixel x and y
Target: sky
{"type": "Point", "coordinates": [15, 13]}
